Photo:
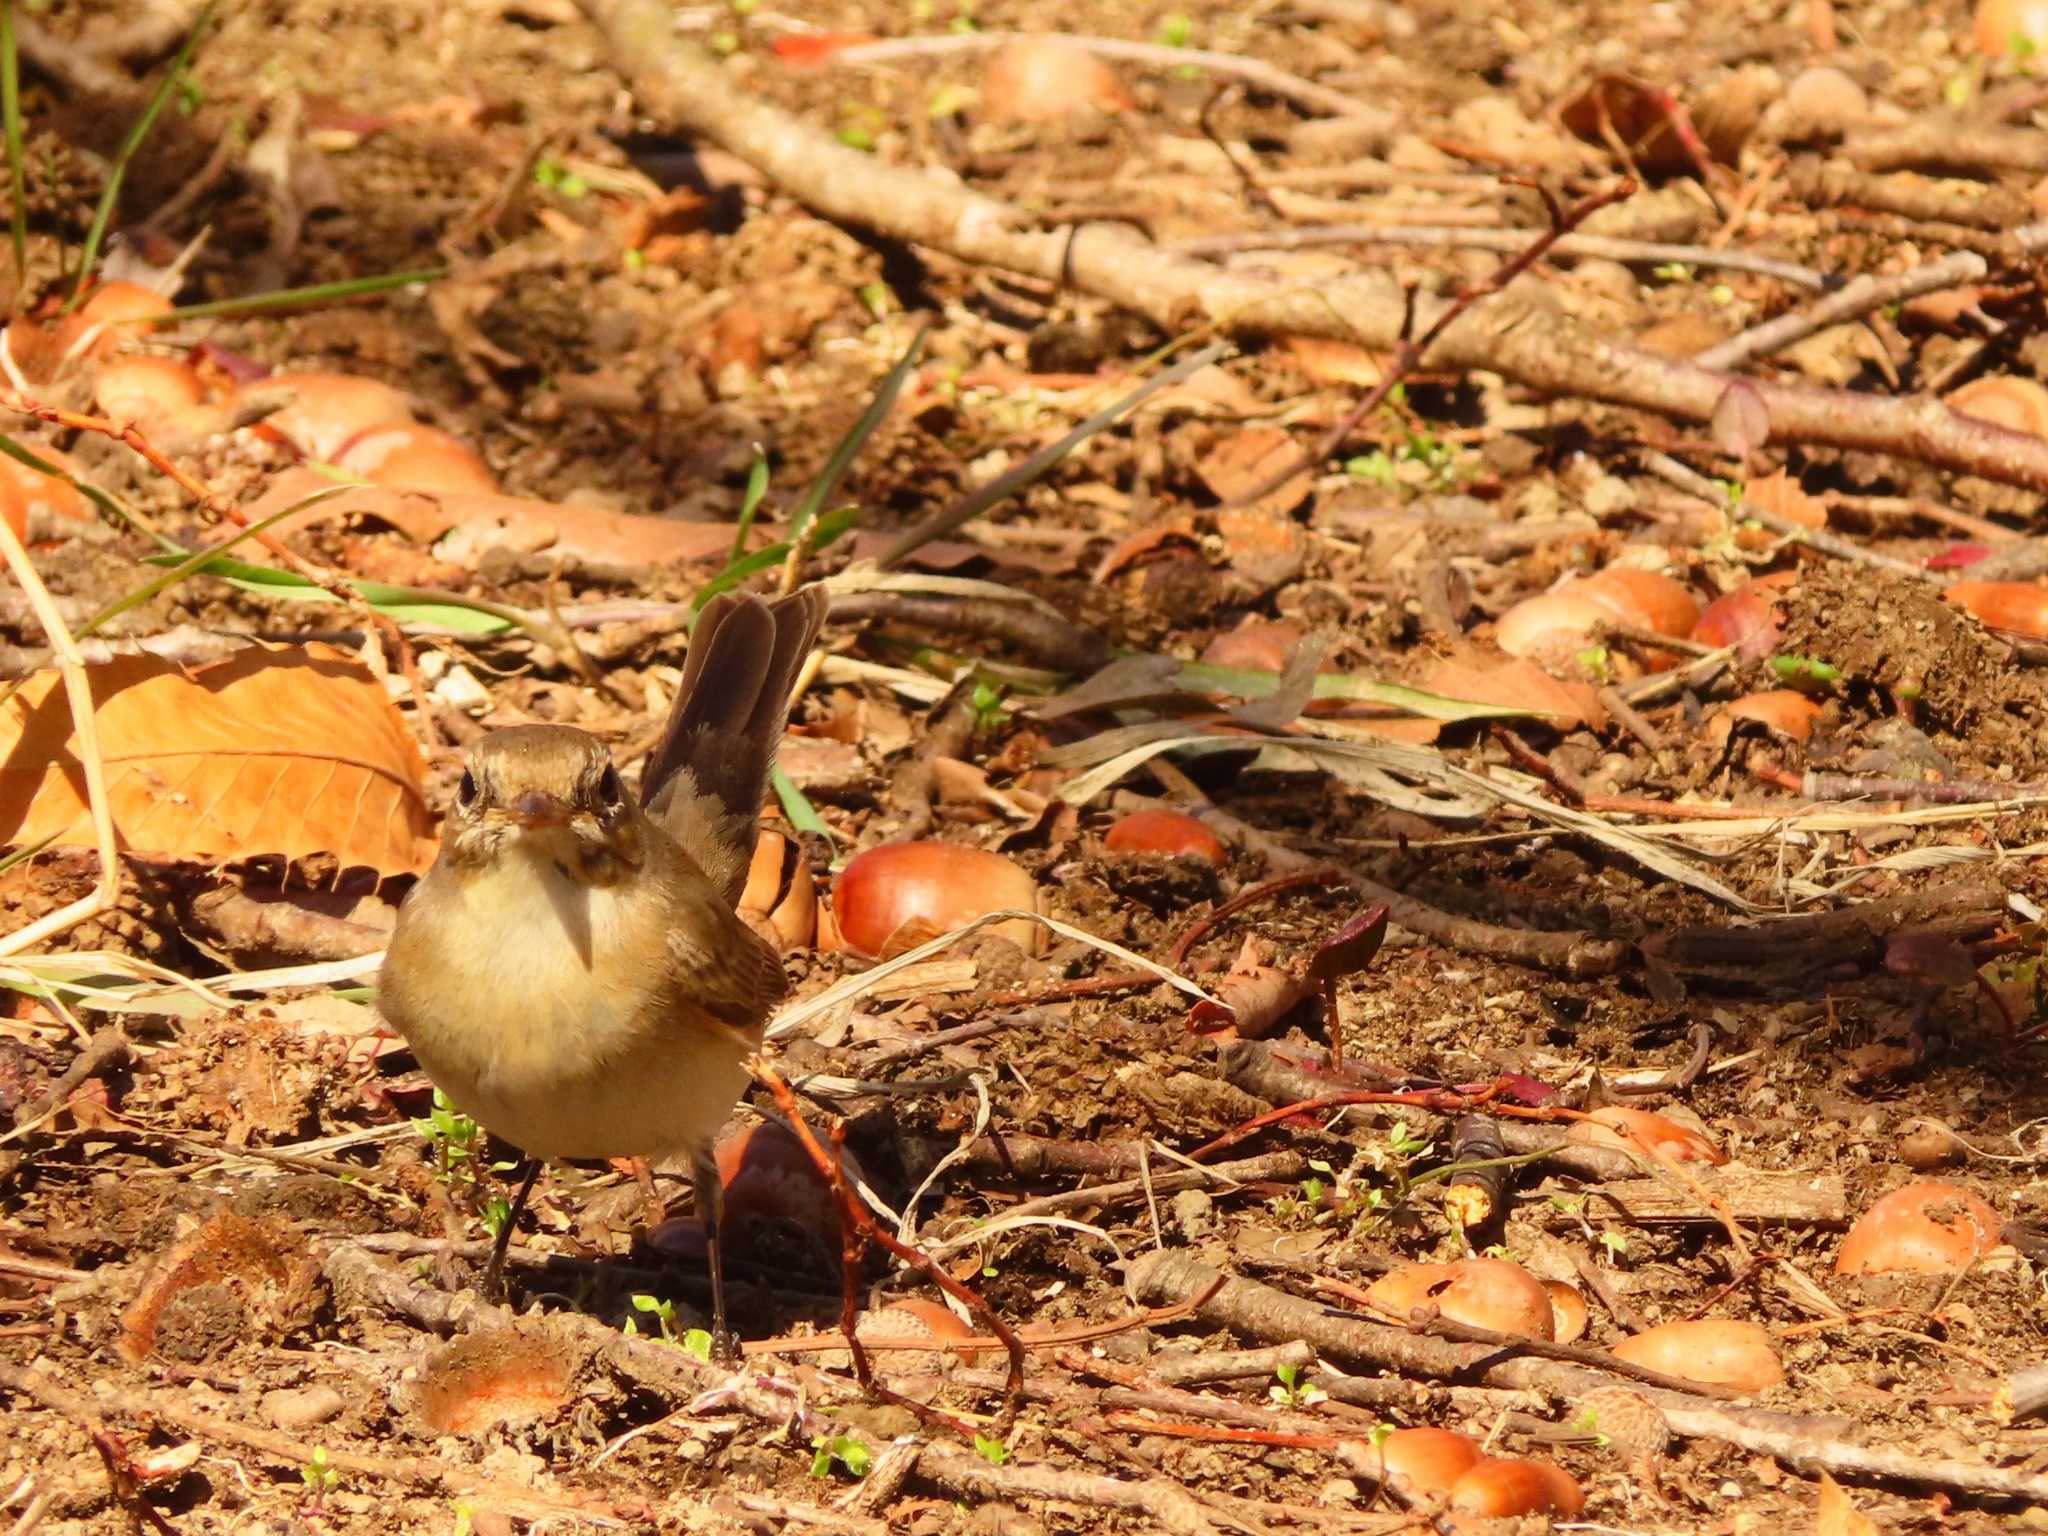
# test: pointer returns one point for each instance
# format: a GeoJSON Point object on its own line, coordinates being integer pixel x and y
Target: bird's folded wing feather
{"type": "Point", "coordinates": [726, 970]}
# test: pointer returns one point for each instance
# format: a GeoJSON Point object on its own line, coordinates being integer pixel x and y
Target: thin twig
{"type": "Point", "coordinates": [1411, 350]}
{"type": "Point", "coordinates": [1256, 73]}
{"type": "Point", "coordinates": [1446, 237]}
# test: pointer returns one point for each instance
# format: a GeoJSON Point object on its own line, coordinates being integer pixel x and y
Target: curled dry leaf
{"type": "Point", "coordinates": [462, 527]}
{"type": "Point", "coordinates": [2019, 405]}
{"type": "Point", "coordinates": [1257, 645]}
{"type": "Point", "coordinates": [780, 900]}
{"type": "Point", "coordinates": [1783, 712]}
{"type": "Point", "coordinates": [1746, 617]}
{"type": "Point", "coordinates": [1721, 1351]}
{"type": "Point", "coordinates": [1252, 997]}
{"type": "Point", "coordinates": [1616, 1125]}
{"type": "Point", "coordinates": [1240, 462]}
{"type": "Point", "coordinates": [1741, 422]}
{"type": "Point", "coordinates": [1554, 625]}
{"type": "Point", "coordinates": [1486, 1293]}
{"type": "Point", "coordinates": [2017, 607]}
{"type": "Point", "coordinates": [1041, 79]}
{"type": "Point", "coordinates": [1926, 1228]}
{"type": "Point", "coordinates": [1518, 684]}
{"type": "Point", "coordinates": [1781, 493]}
{"type": "Point", "coordinates": [272, 751]}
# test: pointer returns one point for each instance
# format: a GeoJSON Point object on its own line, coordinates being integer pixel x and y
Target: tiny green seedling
{"type": "Point", "coordinates": [1616, 1244]}
{"type": "Point", "coordinates": [496, 1212]}
{"type": "Point", "coordinates": [1293, 1391]}
{"type": "Point", "coordinates": [1676, 271]}
{"type": "Point", "coordinates": [455, 1139]}
{"type": "Point", "coordinates": [557, 177]}
{"type": "Point", "coordinates": [319, 1477]}
{"type": "Point", "coordinates": [994, 1452]}
{"type": "Point", "coordinates": [660, 1309]}
{"type": "Point", "coordinates": [847, 1451]}
{"type": "Point", "coordinates": [1589, 1423]}
{"type": "Point", "coordinates": [1176, 29]}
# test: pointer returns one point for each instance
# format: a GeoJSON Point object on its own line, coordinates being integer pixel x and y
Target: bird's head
{"type": "Point", "coordinates": [547, 792]}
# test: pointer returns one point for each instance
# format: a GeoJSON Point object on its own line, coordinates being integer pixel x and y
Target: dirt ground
{"type": "Point", "coordinates": [223, 1252]}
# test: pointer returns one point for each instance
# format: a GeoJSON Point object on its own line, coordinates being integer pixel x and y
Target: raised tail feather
{"type": "Point", "coordinates": [704, 782]}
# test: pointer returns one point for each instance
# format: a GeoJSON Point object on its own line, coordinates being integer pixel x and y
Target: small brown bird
{"type": "Point", "coordinates": [572, 972]}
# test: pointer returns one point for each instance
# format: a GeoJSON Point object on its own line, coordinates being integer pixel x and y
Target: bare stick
{"type": "Point", "coordinates": [1409, 353]}
{"type": "Point", "coordinates": [1451, 237]}
{"type": "Point", "coordinates": [1860, 297]}
{"type": "Point", "coordinates": [1524, 341]}
{"type": "Point", "coordinates": [1257, 74]}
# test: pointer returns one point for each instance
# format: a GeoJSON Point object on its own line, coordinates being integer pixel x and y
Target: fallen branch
{"type": "Point", "coordinates": [1517, 333]}
{"type": "Point", "coordinates": [1262, 1313]}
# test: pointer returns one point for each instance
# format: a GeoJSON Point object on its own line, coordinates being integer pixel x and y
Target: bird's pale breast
{"type": "Point", "coordinates": [536, 1002]}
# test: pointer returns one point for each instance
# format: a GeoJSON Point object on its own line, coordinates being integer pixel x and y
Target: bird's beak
{"type": "Point", "coordinates": [538, 808]}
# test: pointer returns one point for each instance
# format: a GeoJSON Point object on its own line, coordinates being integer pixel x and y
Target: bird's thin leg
{"type": "Point", "coordinates": [494, 1272]}
{"type": "Point", "coordinates": [711, 1212]}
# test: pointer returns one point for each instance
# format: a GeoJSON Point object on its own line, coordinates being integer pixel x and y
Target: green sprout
{"type": "Point", "coordinates": [994, 1452]}
{"type": "Point", "coordinates": [1293, 1391]}
{"type": "Point", "coordinates": [849, 1452]}
{"type": "Point", "coordinates": [319, 1477]}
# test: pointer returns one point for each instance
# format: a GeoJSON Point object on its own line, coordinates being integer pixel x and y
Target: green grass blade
{"type": "Point", "coordinates": [10, 119]}
{"type": "Point", "coordinates": [1253, 683]}
{"type": "Point", "coordinates": [103, 215]}
{"type": "Point", "coordinates": [312, 293]}
{"type": "Point", "coordinates": [842, 456]}
{"type": "Point", "coordinates": [797, 807]}
{"type": "Point", "coordinates": [409, 605]}
{"type": "Point", "coordinates": [736, 572]}
{"type": "Point", "coordinates": [750, 505]}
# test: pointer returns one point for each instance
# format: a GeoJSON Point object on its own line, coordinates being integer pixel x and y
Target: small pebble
{"type": "Point", "coordinates": [298, 1407]}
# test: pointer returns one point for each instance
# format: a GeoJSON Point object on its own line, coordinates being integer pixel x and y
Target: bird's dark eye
{"type": "Point", "coordinates": [610, 790]}
{"type": "Point", "coordinates": [465, 792]}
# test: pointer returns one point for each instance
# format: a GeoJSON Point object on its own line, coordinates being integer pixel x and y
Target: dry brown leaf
{"type": "Point", "coordinates": [1240, 462]}
{"type": "Point", "coordinates": [463, 526]}
{"type": "Point", "coordinates": [1836, 1516]}
{"type": "Point", "coordinates": [291, 751]}
{"type": "Point", "coordinates": [1517, 684]}
{"type": "Point", "coordinates": [1334, 362]}
{"type": "Point", "coordinates": [1780, 493]}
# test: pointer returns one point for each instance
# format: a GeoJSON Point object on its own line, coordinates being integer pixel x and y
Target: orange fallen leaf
{"type": "Point", "coordinates": [1241, 462]}
{"type": "Point", "coordinates": [1517, 684]}
{"type": "Point", "coordinates": [465, 525]}
{"type": "Point", "coordinates": [291, 751]}
{"type": "Point", "coordinates": [1836, 1516]}
{"type": "Point", "coordinates": [1782, 494]}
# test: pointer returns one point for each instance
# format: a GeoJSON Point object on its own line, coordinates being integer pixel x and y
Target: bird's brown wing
{"type": "Point", "coordinates": [725, 969]}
